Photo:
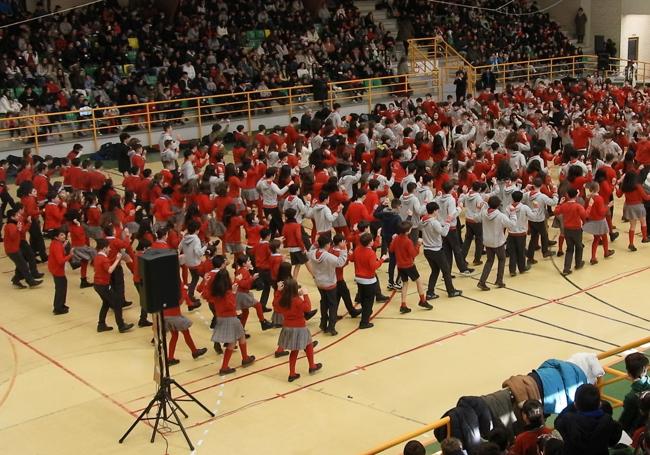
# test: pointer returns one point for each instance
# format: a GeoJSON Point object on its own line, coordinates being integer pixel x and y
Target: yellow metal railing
{"type": "Point", "coordinates": [603, 357]}
{"type": "Point", "coordinates": [448, 60]}
{"type": "Point", "coordinates": [38, 128]}
{"type": "Point", "coordinates": [637, 72]}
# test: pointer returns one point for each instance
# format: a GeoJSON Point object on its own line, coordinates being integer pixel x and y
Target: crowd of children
{"type": "Point", "coordinates": [331, 191]}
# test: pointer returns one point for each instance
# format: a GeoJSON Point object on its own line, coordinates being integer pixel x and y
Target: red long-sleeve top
{"type": "Point", "coordinates": [131, 183]}
{"type": "Point", "coordinates": [233, 230]}
{"type": "Point", "coordinates": [357, 211]}
{"type": "Point", "coordinates": [634, 197]}
{"type": "Point", "coordinates": [57, 258]}
{"type": "Point", "coordinates": [11, 238]}
{"type": "Point", "coordinates": [220, 204]}
{"type": "Point", "coordinates": [204, 203]}
{"type": "Point", "coordinates": [162, 209]}
{"type": "Point", "coordinates": [294, 316]}
{"type": "Point", "coordinates": [405, 251]}
{"type": "Point", "coordinates": [102, 264]}
{"type": "Point", "coordinates": [292, 234]}
{"type": "Point", "coordinates": [53, 215]}
{"type": "Point", "coordinates": [365, 262]}
{"type": "Point", "coordinates": [95, 180]}
{"type": "Point", "coordinates": [262, 254]}
{"type": "Point", "coordinates": [245, 283]}
{"type": "Point", "coordinates": [93, 214]}
{"type": "Point", "coordinates": [574, 214]}
{"type": "Point", "coordinates": [226, 306]}
{"type": "Point", "coordinates": [253, 235]}
{"type": "Point", "coordinates": [42, 186]}
{"type": "Point", "coordinates": [598, 209]}
{"type": "Point", "coordinates": [30, 206]}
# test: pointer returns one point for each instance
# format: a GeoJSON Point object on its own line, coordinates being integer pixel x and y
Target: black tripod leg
{"type": "Point", "coordinates": [174, 403]}
{"type": "Point", "coordinates": [180, 425]}
{"type": "Point", "coordinates": [191, 397]}
{"type": "Point", "coordinates": [163, 405]}
{"type": "Point", "coordinates": [145, 412]}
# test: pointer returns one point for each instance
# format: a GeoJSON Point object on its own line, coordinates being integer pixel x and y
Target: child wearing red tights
{"type": "Point", "coordinates": [295, 336]}
{"type": "Point", "coordinates": [245, 300]}
{"type": "Point", "coordinates": [596, 223]}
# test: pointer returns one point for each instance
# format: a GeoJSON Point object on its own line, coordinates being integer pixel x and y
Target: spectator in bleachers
{"type": "Point", "coordinates": [636, 365]}
{"type": "Point", "coordinates": [585, 427]}
{"type": "Point", "coordinates": [452, 446]}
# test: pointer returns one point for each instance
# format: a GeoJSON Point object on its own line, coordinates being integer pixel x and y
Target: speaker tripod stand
{"type": "Point", "coordinates": [167, 406]}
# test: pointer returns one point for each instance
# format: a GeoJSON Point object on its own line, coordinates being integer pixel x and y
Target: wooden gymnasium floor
{"type": "Point", "coordinates": [66, 389]}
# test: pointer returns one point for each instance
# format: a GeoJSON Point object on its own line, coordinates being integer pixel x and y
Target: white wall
{"type": "Point", "coordinates": [636, 25]}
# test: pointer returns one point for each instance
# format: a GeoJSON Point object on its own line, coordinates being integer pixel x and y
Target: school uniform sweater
{"type": "Point", "coordinates": [324, 266]}
{"type": "Point", "coordinates": [292, 233]}
{"type": "Point", "coordinates": [57, 258]}
{"type": "Point", "coordinates": [404, 250]}
{"type": "Point", "coordinates": [574, 215]}
{"type": "Point", "coordinates": [294, 316]}
{"type": "Point", "coordinates": [11, 238]}
{"type": "Point", "coordinates": [494, 225]}
{"type": "Point", "coordinates": [432, 232]}
{"type": "Point", "coordinates": [365, 265]}
{"type": "Point", "coordinates": [102, 264]}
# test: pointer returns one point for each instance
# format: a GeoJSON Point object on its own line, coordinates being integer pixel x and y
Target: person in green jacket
{"type": "Point", "coordinates": [636, 365]}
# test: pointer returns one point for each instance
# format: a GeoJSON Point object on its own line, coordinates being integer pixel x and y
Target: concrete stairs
{"type": "Point", "coordinates": [389, 24]}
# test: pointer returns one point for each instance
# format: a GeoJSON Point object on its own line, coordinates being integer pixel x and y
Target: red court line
{"type": "Point", "coordinates": [67, 370]}
{"type": "Point", "coordinates": [423, 345]}
{"type": "Point", "coordinates": [270, 367]}
{"type": "Point", "coordinates": [14, 373]}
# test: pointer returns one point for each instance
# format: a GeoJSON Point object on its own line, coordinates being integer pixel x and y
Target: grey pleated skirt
{"type": "Point", "coordinates": [294, 338]}
{"type": "Point", "coordinates": [177, 323]}
{"type": "Point", "coordinates": [277, 318]}
{"type": "Point", "coordinates": [596, 227]}
{"type": "Point", "coordinates": [94, 232]}
{"type": "Point", "coordinates": [227, 330]}
{"type": "Point", "coordinates": [339, 221]}
{"type": "Point", "coordinates": [235, 247]}
{"type": "Point", "coordinates": [84, 253]}
{"type": "Point", "coordinates": [245, 300]}
{"type": "Point", "coordinates": [633, 212]}
{"type": "Point", "coordinates": [250, 194]}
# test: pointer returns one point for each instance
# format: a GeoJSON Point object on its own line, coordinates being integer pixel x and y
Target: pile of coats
{"type": "Point", "coordinates": [554, 383]}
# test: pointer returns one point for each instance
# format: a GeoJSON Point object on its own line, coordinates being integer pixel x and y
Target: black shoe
{"type": "Point", "coordinates": [217, 348]}
{"type": "Point", "coordinates": [613, 236]}
{"type": "Point", "coordinates": [513, 274]}
{"type": "Point", "coordinates": [315, 368]}
{"type": "Point", "coordinates": [323, 326]}
{"type": "Point", "coordinates": [171, 362]}
{"type": "Point", "coordinates": [294, 377]}
{"type": "Point", "coordinates": [467, 271]}
{"type": "Point", "coordinates": [552, 242]}
{"type": "Point", "coordinates": [332, 332]}
{"type": "Point", "coordinates": [63, 310]}
{"type": "Point", "coordinates": [366, 325]}
{"type": "Point", "coordinates": [500, 285]}
{"type": "Point", "coordinates": [85, 284]}
{"type": "Point", "coordinates": [247, 335]}
{"type": "Point", "coordinates": [35, 283]}
{"type": "Point", "coordinates": [580, 265]}
{"type": "Point", "coordinates": [127, 303]}
{"type": "Point", "coordinates": [355, 313]}
{"type": "Point", "coordinates": [266, 310]}
{"type": "Point", "coordinates": [404, 309]}
{"type": "Point", "coordinates": [279, 354]}
{"type": "Point", "coordinates": [532, 261]}
{"type": "Point", "coordinates": [631, 248]}
{"type": "Point", "coordinates": [104, 328]}
{"type": "Point", "coordinates": [248, 360]}
{"type": "Point", "coordinates": [548, 254]}
{"type": "Point", "coordinates": [125, 327]}
{"type": "Point", "coordinates": [194, 306]}
{"type": "Point", "coordinates": [455, 293]}
{"type": "Point", "coordinates": [431, 296]}
{"type": "Point", "coordinates": [199, 352]}
{"type": "Point", "coordinates": [144, 323]}
{"type": "Point", "coordinates": [213, 322]}
{"type": "Point", "coordinates": [19, 285]}
{"type": "Point", "coordinates": [314, 344]}
{"type": "Point", "coordinates": [425, 305]}
{"type": "Point", "coordinates": [566, 272]}
{"type": "Point", "coordinates": [338, 318]}
{"type": "Point", "coordinates": [266, 325]}
{"type": "Point", "coordinates": [482, 286]}
{"type": "Point", "coordinates": [646, 240]}
{"type": "Point", "coordinates": [225, 371]}
{"type": "Point", "coordinates": [382, 298]}
{"type": "Point", "coordinates": [38, 275]}
{"type": "Point", "coordinates": [479, 262]}
{"type": "Point", "coordinates": [310, 314]}
{"type": "Point", "coordinates": [559, 254]}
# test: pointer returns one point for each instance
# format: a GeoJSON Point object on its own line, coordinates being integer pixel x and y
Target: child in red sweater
{"type": "Point", "coordinates": [293, 241]}
{"type": "Point", "coordinates": [56, 265]}
{"type": "Point", "coordinates": [405, 253]}
{"type": "Point", "coordinates": [245, 300]}
{"type": "Point", "coordinates": [596, 223]}
{"type": "Point", "coordinates": [295, 336]}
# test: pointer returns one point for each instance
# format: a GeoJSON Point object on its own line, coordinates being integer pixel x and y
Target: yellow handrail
{"type": "Point", "coordinates": [446, 421]}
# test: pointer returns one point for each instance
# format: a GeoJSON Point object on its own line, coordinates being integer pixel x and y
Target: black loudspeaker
{"type": "Point", "coordinates": [161, 285]}
{"type": "Point", "coordinates": [599, 43]}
